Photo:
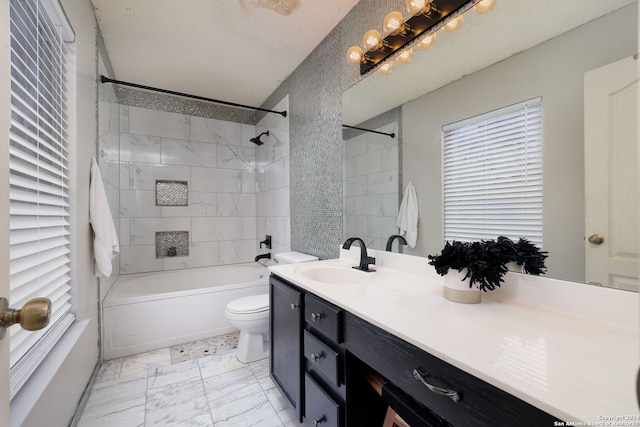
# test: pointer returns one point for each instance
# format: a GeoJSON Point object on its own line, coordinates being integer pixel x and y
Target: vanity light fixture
{"type": "Point", "coordinates": [452, 24]}
{"type": "Point", "coordinates": [419, 30]}
{"type": "Point", "coordinates": [405, 56]}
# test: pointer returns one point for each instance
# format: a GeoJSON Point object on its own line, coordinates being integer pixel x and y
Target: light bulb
{"type": "Point", "coordinates": [484, 6]}
{"type": "Point", "coordinates": [386, 68]}
{"type": "Point", "coordinates": [427, 41]}
{"type": "Point", "coordinates": [372, 40]}
{"type": "Point", "coordinates": [393, 23]}
{"type": "Point", "coordinates": [355, 55]}
{"type": "Point", "coordinates": [418, 7]}
{"type": "Point", "coordinates": [453, 24]}
{"type": "Point", "coordinates": [405, 56]}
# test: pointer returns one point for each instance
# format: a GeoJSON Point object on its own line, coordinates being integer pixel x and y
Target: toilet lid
{"type": "Point", "coordinates": [250, 304]}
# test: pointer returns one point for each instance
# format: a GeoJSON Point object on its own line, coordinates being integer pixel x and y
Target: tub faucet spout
{"type": "Point", "coordinates": [263, 256]}
{"type": "Point", "coordinates": [365, 260]}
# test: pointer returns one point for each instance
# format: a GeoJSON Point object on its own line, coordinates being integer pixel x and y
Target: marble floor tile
{"type": "Point", "coordinates": [195, 384]}
{"type": "Point", "coordinates": [232, 385]}
{"type": "Point", "coordinates": [141, 363]}
{"type": "Point", "coordinates": [118, 402]}
{"type": "Point", "coordinates": [219, 363]}
{"type": "Point", "coordinates": [109, 370]}
{"type": "Point", "coordinates": [253, 410]}
{"type": "Point", "coordinates": [173, 405]}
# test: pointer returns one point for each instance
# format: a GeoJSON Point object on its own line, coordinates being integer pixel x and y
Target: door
{"type": "Point", "coordinates": [611, 175]}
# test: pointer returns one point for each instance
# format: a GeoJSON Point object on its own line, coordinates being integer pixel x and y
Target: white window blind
{"type": "Point", "coordinates": [39, 182]}
{"type": "Point", "coordinates": [493, 175]}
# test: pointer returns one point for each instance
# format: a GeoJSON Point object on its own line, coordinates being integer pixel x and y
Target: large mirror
{"type": "Point", "coordinates": [518, 51]}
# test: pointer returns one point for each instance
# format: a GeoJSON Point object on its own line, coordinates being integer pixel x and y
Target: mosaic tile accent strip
{"type": "Point", "coordinates": [172, 244]}
{"type": "Point", "coordinates": [172, 193]}
{"type": "Point", "coordinates": [202, 348]}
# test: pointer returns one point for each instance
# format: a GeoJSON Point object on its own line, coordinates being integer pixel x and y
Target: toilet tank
{"type": "Point", "coordinates": [293, 258]}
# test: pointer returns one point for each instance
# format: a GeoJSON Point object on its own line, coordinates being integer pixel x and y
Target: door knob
{"type": "Point", "coordinates": [34, 315]}
{"type": "Point", "coordinates": [596, 239]}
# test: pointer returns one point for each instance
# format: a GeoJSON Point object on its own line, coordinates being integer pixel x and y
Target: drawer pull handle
{"type": "Point", "coordinates": [315, 357]}
{"type": "Point", "coordinates": [316, 316]}
{"type": "Point", "coordinates": [451, 394]}
{"type": "Point", "coordinates": [294, 306]}
{"type": "Point", "coordinates": [317, 421]}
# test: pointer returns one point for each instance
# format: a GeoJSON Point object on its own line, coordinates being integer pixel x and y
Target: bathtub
{"type": "Point", "coordinates": [148, 311]}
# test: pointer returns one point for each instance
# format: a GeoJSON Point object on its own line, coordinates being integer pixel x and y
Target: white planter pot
{"type": "Point", "coordinates": [457, 290]}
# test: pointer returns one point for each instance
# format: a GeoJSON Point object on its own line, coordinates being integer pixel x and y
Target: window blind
{"type": "Point", "coordinates": [492, 167]}
{"type": "Point", "coordinates": [39, 178]}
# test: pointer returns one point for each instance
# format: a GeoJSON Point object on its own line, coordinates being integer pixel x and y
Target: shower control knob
{"type": "Point", "coordinates": [317, 421]}
{"type": "Point", "coordinates": [295, 306]}
{"type": "Point", "coordinates": [316, 316]}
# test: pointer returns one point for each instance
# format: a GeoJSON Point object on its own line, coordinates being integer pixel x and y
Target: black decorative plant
{"type": "Point", "coordinates": [486, 260]}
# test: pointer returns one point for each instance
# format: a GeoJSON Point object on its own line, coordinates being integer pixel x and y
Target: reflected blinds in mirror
{"type": "Point", "coordinates": [492, 175]}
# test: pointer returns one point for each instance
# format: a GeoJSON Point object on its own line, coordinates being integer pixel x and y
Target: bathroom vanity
{"type": "Point", "coordinates": [506, 361]}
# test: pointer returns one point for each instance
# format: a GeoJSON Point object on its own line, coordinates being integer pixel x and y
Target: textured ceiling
{"type": "Point", "coordinates": [511, 27]}
{"type": "Point", "coordinates": [233, 50]}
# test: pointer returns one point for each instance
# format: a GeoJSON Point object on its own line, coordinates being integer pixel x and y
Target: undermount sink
{"type": "Point", "coordinates": [334, 275]}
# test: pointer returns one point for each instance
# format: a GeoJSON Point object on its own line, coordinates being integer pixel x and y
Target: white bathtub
{"type": "Point", "coordinates": [148, 311]}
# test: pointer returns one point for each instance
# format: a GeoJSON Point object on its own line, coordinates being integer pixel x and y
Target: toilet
{"type": "Point", "coordinates": [251, 316]}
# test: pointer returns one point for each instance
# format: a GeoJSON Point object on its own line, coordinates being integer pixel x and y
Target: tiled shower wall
{"type": "Point", "coordinates": [217, 161]}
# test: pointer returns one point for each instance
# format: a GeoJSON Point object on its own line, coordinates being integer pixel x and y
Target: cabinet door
{"type": "Point", "coordinates": [286, 341]}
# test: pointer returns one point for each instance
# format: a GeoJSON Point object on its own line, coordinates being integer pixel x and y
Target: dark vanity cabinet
{"type": "Point", "coordinates": [323, 358]}
{"type": "Point", "coordinates": [286, 317]}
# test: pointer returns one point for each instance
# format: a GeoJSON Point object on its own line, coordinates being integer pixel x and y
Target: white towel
{"type": "Point", "coordinates": [105, 239]}
{"type": "Point", "coordinates": [408, 216]}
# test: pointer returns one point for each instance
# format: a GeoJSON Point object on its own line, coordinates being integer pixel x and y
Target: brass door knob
{"type": "Point", "coordinates": [34, 315]}
{"type": "Point", "coordinates": [596, 239]}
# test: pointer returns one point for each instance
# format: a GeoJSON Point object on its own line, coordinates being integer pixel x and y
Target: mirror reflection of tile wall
{"type": "Point", "coordinates": [371, 184]}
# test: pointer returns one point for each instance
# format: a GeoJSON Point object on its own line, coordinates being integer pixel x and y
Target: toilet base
{"type": "Point", "coordinates": [251, 347]}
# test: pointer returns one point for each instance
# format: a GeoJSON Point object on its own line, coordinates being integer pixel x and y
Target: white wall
{"type": "Point", "coordinates": [553, 70]}
{"type": "Point", "coordinates": [51, 396]}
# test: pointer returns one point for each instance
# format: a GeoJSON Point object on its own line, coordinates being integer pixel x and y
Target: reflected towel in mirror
{"type": "Point", "coordinates": [408, 216]}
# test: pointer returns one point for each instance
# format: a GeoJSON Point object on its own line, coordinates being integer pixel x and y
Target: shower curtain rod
{"type": "Point", "coordinates": [392, 135]}
{"type": "Point", "coordinates": [104, 79]}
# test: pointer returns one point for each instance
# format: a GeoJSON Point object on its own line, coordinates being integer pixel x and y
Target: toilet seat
{"type": "Point", "coordinates": [249, 305]}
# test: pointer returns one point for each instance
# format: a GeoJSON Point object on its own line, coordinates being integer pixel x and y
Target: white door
{"type": "Point", "coordinates": [611, 175]}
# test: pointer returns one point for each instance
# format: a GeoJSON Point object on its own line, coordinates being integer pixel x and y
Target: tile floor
{"type": "Point", "coordinates": [195, 384]}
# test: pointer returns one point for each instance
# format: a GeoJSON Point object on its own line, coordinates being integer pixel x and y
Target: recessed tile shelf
{"type": "Point", "coordinates": [172, 193]}
{"type": "Point", "coordinates": [172, 243]}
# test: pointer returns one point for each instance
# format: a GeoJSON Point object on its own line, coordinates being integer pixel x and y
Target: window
{"type": "Point", "coordinates": [39, 182]}
{"type": "Point", "coordinates": [492, 183]}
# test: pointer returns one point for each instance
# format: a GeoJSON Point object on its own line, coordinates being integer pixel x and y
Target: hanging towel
{"type": "Point", "coordinates": [105, 239]}
{"type": "Point", "coordinates": [408, 216]}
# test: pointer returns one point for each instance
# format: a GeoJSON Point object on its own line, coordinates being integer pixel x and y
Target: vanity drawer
{"type": "Point", "coordinates": [323, 358]}
{"type": "Point", "coordinates": [321, 410]}
{"type": "Point", "coordinates": [324, 317]}
{"type": "Point", "coordinates": [479, 404]}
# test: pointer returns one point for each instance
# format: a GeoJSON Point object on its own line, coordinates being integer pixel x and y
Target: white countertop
{"type": "Point", "coordinates": [558, 354]}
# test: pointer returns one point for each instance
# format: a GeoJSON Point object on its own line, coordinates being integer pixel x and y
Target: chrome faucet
{"type": "Point", "coordinates": [401, 241]}
{"type": "Point", "coordinates": [365, 260]}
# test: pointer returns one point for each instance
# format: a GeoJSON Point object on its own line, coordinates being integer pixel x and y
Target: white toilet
{"type": "Point", "coordinates": [251, 315]}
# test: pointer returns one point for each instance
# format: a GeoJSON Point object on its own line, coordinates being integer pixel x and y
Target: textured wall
{"type": "Point", "coordinates": [315, 100]}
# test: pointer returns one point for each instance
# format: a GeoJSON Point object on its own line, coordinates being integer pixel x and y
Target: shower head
{"type": "Point", "coordinates": [256, 140]}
